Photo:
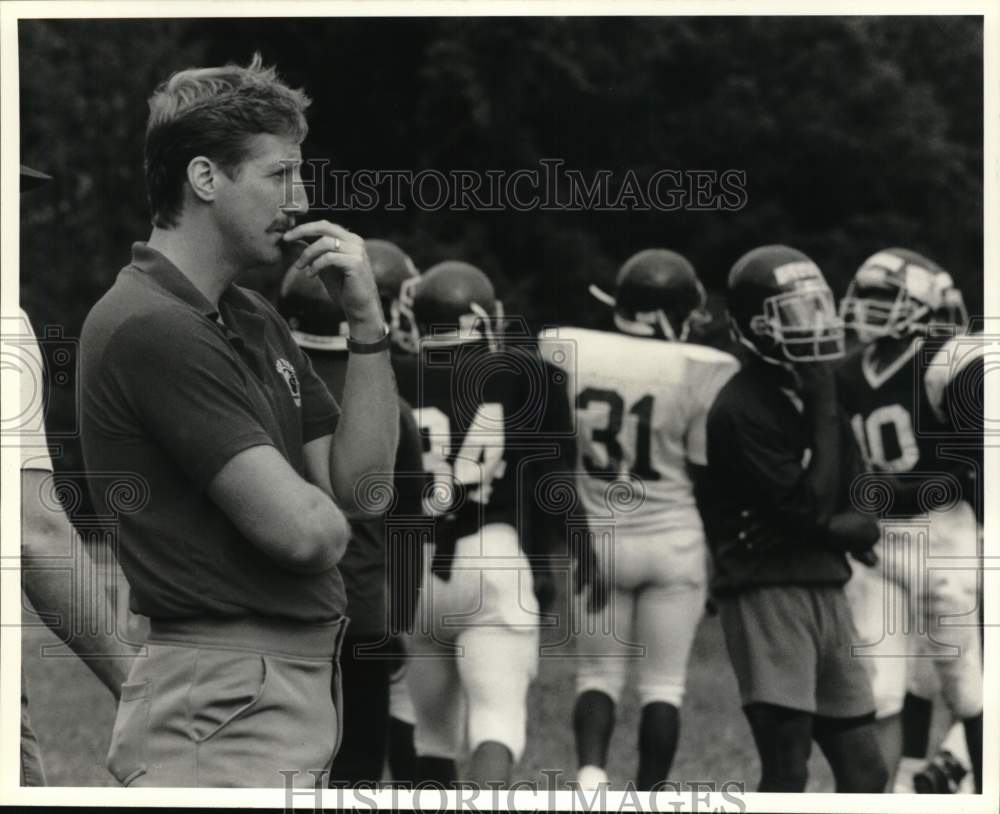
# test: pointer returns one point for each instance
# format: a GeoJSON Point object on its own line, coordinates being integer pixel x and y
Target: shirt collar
{"type": "Point", "coordinates": [170, 278]}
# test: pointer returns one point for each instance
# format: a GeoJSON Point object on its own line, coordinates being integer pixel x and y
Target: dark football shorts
{"type": "Point", "coordinates": [791, 646]}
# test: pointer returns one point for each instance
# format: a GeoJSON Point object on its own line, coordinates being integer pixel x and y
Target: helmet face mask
{"type": "Point", "coordinates": [894, 294]}
{"type": "Point", "coordinates": [781, 308]}
{"type": "Point", "coordinates": [402, 324]}
{"type": "Point", "coordinates": [802, 324]}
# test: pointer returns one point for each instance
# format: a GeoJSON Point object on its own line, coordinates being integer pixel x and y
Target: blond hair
{"type": "Point", "coordinates": [213, 112]}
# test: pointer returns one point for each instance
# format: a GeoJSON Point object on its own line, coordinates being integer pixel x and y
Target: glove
{"type": "Point", "coordinates": [852, 532]}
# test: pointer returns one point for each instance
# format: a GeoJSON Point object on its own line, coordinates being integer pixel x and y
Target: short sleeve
{"type": "Point", "coordinates": [22, 347]}
{"type": "Point", "coordinates": [320, 411]}
{"type": "Point", "coordinates": [705, 379]}
{"type": "Point", "coordinates": [186, 390]}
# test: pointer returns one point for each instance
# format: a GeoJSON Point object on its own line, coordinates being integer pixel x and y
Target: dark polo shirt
{"type": "Point", "coordinates": [172, 394]}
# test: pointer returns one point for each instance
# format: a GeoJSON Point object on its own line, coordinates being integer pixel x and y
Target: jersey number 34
{"type": "Point", "coordinates": [474, 459]}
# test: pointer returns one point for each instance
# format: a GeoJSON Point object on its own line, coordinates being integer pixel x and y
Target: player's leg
{"type": "Point", "coordinates": [496, 666]}
{"type": "Point", "coordinates": [365, 683]}
{"type": "Point", "coordinates": [772, 635]}
{"type": "Point", "coordinates": [433, 683]}
{"type": "Point", "coordinates": [436, 691]}
{"type": "Point", "coordinates": [401, 753]}
{"type": "Point", "coordinates": [844, 725]}
{"type": "Point", "coordinates": [852, 750]}
{"type": "Point", "coordinates": [783, 738]}
{"type": "Point", "coordinates": [499, 650]}
{"type": "Point", "coordinates": [953, 632]}
{"type": "Point", "coordinates": [602, 642]}
{"type": "Point", "coordinates": [922, 686]}
{"type": "Point", "coordinates": [879, 605]}
{"type": "Point", "coordinates": [666, 620]}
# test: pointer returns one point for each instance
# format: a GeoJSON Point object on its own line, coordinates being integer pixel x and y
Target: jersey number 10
{"type": "Point", "coordinates": [886, 438]}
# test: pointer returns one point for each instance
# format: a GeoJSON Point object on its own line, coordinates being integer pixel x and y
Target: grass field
{"type": "Point", "coordinates": [73, 714]}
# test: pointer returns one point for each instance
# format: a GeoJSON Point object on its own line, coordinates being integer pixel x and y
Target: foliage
{"type": "Point", "coordinates": [855, 133]}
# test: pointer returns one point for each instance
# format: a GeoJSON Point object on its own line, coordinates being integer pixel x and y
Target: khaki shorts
{"type": "Point", "coordinates": [241, 702]}
{"type": "Point", "coordinates": [791, 646]}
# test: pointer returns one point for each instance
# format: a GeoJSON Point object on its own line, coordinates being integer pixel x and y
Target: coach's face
{"type": "Point", "coordinates": [262, 200]}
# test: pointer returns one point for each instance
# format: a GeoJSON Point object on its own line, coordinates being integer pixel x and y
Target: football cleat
{"type": "Point", "coordinates": [781, 307]}
{"type": "Point", "coordinates": [591, 778]}
{"type": "Point", "coordinates": [657, 294]}
{"type": "Point", "coordinates": [452, 301]}
{"type": "Point", "coordinates": [896, 292]}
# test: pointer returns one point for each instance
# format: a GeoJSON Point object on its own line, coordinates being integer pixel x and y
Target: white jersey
{"type": "Point", "coordinates": [639, 408]}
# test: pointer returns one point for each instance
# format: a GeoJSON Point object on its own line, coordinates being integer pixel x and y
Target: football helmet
{"type": "Point", "coordinates": [316, 320]}
{"type": "Point", "coordinates": [896, 292]}
{"type": "Point", "coordinates": [452, 301]}
{"type": "Point", "coordinates": [392, 267]}
{"type": "Point", "coordinates": [781, 307]}
{"type": "Point", "coordinates": [952, 312]}
{"type": "Point", "coordinates": [657, 294]}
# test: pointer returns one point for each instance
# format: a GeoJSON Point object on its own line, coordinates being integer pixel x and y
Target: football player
{"type": "Point", "coordinates": [475, 647]}
{"type": "Point", "coordinates": [893, 388]}
{"type": "Point", "coordinates": [393, 267]}
{"type": "Point", "coordinates": [381, 571]}
{"type": "Point", "coordinates": [774, 499]}
{"type": "Point", "coordinates": [640, 396]}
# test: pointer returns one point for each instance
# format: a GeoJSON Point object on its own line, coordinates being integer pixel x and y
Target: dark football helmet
{"type": "Point", "coordinates": [782, 308]}
{"type": "Point", "coordinates": [896, 292]}
{"type": "Point", "coordinates": [317, 320]}
{"type": "Point", "coordinates": [450, 301]}
{"type": "Point", "coordinates": [657, 294]}
{"type": "Point", "coordinates": [392, 267]}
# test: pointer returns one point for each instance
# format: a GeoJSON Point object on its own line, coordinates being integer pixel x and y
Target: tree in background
{"type": "Point", "coordinates": [854, 133]}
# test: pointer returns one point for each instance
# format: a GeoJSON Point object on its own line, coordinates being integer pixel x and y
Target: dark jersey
{"type": "Point", "coordinates": [481, 415]}
{"type": "Point", "coordinates": [762, 517]}
{"type": "Point", "coordinates": [370, 564]}
{"type": "Point", "coordinates": [904, 424]}
{"type": "Point", "coordinates": [897, 427]}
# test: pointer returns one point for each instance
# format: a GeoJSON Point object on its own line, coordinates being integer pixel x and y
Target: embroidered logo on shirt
{"type": "Point", "coordinates": [285, 369]}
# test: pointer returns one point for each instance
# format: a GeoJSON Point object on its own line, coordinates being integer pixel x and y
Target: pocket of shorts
{"type": "Point", "coordinates": [127, 755]}
{"type": "Point", "coordinates": [227, 685]}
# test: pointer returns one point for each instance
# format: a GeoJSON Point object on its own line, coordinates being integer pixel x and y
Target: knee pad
{"type": "Point", "coordinates": [963, 693]}
{"type": "Point", "coordinates": [504, 726]}
{"type": "Point", "coordinates": [609, 682]}
{"type": "Point", "coordinates": [432, 742]}
{"type": "Point", "coordinates": [666, 692]}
